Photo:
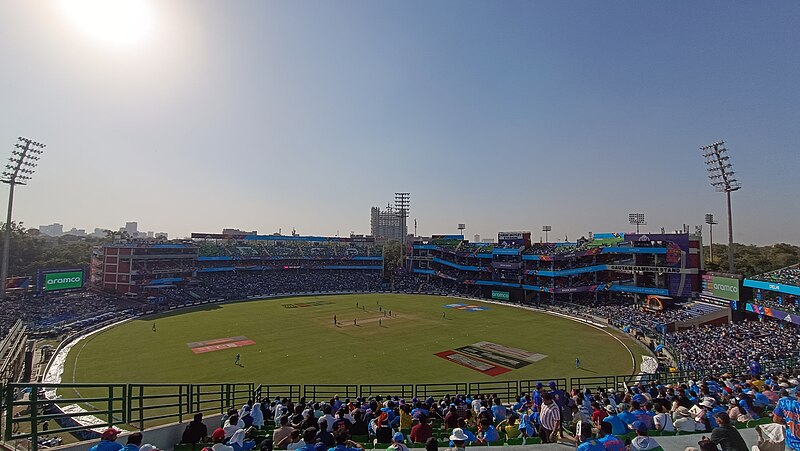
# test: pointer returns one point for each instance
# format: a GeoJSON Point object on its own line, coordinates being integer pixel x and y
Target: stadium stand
{"type": "Point", "coordinates": [789, 276]}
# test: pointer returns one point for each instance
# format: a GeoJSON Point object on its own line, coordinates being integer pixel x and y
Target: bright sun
{"type": "Point", "coordinates": [117, 22]}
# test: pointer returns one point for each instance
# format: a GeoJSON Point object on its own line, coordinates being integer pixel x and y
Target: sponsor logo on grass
{"type": "Point", "coordinates": [472, 363]}
{"type": "Point", "coordinates": [490, 358]}
{"type": "Point", "coordinates": [63, 280]}
{"type": "Point", "coordinates": [218, 344]}
{"type": "Point", "coordinates": [467, 307]}
{"type": "Point", "coordinates": [307, 304]}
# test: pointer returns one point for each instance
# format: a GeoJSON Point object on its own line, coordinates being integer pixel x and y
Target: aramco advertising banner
{"type": "Point", "coordinates": [54, 281]}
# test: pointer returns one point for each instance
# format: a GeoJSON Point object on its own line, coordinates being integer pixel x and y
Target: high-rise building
{"type": "Point", "coordinates": [386, 224]}
{"type": "Point", "coordinates": [132, 228]}
{"type": "Point", "coordinates": [54, 229]}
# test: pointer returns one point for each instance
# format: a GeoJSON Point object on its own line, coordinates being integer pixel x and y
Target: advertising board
{"type": "Point", "coordinates": [500, 295]}
{"type": "Point", "coordinates": [54, 281]}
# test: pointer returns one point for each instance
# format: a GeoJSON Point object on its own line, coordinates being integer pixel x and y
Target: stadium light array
{"type": "Point", "coordinates": [721, 174]}
{"type": "Point", "coordinates": [546, 229]}
{"type": "Point", "coordinates": [636, 219]}
{"type": "Point", "coordinates": [401, 204]}
{"type": "Point", "coordinates": [20, 168]}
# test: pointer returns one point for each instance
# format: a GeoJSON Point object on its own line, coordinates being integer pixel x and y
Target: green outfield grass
{"type": "Point", "coordinates": [302, 346]}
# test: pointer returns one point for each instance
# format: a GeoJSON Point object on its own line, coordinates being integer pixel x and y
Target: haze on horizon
{"type": "Point", "coordinates": [191, 116]}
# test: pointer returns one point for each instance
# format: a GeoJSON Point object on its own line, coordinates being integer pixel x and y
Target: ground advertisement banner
{"type": "Point", "coordinates": [63, 280]}
{"type": "Point", "coordinates": [490, 358]}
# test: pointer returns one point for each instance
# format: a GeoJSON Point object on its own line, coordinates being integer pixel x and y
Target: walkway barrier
{"type": "Point", "coordinates": [86, 409]}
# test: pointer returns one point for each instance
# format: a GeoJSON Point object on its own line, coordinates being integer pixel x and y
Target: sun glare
{"type": "Point", "coordinates": [117, 22]}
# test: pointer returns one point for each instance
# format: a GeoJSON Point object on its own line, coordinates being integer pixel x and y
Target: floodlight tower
{"type": "Point", "coordinates": [461, 227]}
{"type": "Point", "coordinates": [710, 221]}
{"type": "Point", "coordinates": [18, 171]}
{"type": "Point", "coordinates": [401, 204]}
{"type": "Point", "coordinates": [636, 219]}
{"type": "Point", "coordinates": [546, 229]}
{"type": "Point", "coordinates": [721, 173]}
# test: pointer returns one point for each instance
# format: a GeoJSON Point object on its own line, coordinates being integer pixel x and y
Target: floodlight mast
{"type": "Point", "coordinates": [18, 171]}
{"type": "Point", "coordinates": [401, 204]}
{"type": "Point", "coordinates": [711, 223]}
{"type": "Point", "coordinates": [721, 174]}
{"type": "Point", "coordinates": [546, 229]}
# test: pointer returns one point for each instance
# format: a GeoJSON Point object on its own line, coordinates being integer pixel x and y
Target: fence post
{"type": "Point", "coordinates": [34, 414]}
{"type": "Point", "coordinates": [9, 395]}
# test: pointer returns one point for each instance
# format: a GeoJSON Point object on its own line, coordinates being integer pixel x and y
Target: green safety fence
{"type": "Point", "coordinates": [29, 406]}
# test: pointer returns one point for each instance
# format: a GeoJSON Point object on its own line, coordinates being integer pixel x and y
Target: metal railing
{"type": "Point", "coordinates": [28, 406]}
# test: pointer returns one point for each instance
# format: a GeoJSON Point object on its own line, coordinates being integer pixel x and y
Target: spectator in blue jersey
{"type": "Point", "coordinates": [618, 426]}
{"type": "Point", "coordinates": [585, 440]}
{"type": "Point", "coordinates": [134, 442]}
{"type": "Point", "coordinates": [787, 413]}
{"type": "Point", "coordinates": [626, 413]}
{"type": "Point", "coordinates": [642, 414]}
{"type": "Point", "coordinates": [755, 368]}
{"type": "Point", "coordinates": [487, 432]}
{"type": "Point", "coordinates": [499, 410]}
{"type": "Point", "coordinates": [606, 437]}
{"type": "Point", "coordinates": [469, 436]}
{"type": "Point", "coordinates": [558, 395]}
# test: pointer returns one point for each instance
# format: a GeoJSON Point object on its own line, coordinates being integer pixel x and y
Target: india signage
{"type": "Point", "coordinates": [63, 280]}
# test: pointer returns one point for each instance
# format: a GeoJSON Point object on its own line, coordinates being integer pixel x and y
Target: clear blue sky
{"type": "Point", "coordinates": [502, 115]}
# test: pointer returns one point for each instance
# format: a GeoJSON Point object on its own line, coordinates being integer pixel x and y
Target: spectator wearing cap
{"type": "Point", "coordinates": [134, 442]}
{"type": "Point", "coordinates": [343, 442]}
{"type": "Point", "coordinates": [108, 441]}
{"type": "Point", "coordinates": [458, 439]}
{"type": "Point", "coordinates": [642, 442]}
{"type": "Point", "coordinates": [683, 421]}
{"type": "Point", "coordinates": [726, 436]}
{"type": "Point", "coordinates": [705, 418]}
{"type": "Point", "coordinates": [422, 431]}
{"type": "Point", "coordinates": [787, 413]}
{"type": "Point", "coordinates": [218, 438]}
{"type": "Point", "coordinates": [462, 424]}
{"type": "Point", "coordinates": [606, 437]}
{"type": "Point", "coordinates": [618, 426]}
{"type": "Point", "coordinates": [398, 443]}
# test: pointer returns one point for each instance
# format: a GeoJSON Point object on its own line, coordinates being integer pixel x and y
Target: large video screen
{"type": "Point", "coordinates": [62, 280]}
{"type": "Point", "coordinates": [721, 287]}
